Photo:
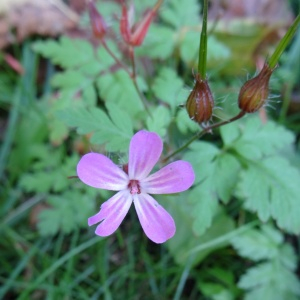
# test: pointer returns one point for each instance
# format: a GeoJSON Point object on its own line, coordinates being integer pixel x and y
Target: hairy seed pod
{"type": "Point", "coordinates": [254, 93]}
{"type": "Point", "coordinates": [200, 102]}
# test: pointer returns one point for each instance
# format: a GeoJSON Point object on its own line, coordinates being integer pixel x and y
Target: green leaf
{"type": "Point", "coordinates": [159, 43]}
{"type": "Point", "coordinates": [270, 281]}
{"type": "Point", "coordinates": [181, 13]}
{"type": "Point", "coordinates": [114, 131]}
{"type": "Point", "coordinates": [205, 206]}
{"type": "Point", "coordinates": [221, 169]}
{"type": "Point", "coordinates": [215, 291]}
{"type": "Point", "coordinates": [259, 244]}
{"type": "Point", "coordinates": [66, 52]}
{"type": "Point", "coordinates": [49, 175]}
{"type": "Point", "coordinates": [257, 139]}
{"type": "Point", "coordinates": [216, 176]}
{"type": "Point", "coordinates": [118, 88]}
{"type": "Point", "coordinates": [184, 123]}
{"type": "Point", "coordinates": [66, 213]}
{"type": "Point", "coordinates": [185, 238]}
{"type": "Point", "coordinates": [159, 120]}
{"type": "Point", "coordinates": [201, 156]}
{"type": "Point", "coordinates": [271, 188]}
{"type": "Point", "coordinates": [167, 86]}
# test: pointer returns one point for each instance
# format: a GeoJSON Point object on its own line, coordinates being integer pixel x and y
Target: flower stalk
{"type": "Point", "coordinates": [203, 43]}
{"type": "Point", "coordinates": [273, 60]}
{"type": "Point", "coordinates": [202, 133]}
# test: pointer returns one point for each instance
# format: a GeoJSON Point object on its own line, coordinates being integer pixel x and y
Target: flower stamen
{"type": "Point", "coordinates": [134, 187]}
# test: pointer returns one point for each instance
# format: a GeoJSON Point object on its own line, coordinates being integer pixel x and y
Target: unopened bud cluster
{"type": "Point", "coordinates": [132, 34]}
{"type": "Point", "coordinates": [254, 93]}
{"type": "Point", "coordinates": [200, 102]}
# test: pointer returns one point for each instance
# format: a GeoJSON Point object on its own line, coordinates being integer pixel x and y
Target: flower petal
{"type": "Point", "coordinates": [99, 171]}
{"type": "Point", "coordinates": [173, 178]}
{"type": "Point", "coordinates": [157, 223]}
{"type": "Point", "coordinates": [112, 212]}
{"type": "Point", "coordinates": [144, 151]}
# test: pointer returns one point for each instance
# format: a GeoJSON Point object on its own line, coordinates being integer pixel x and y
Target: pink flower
{"type": "Point", "coordinates": [145, 148]}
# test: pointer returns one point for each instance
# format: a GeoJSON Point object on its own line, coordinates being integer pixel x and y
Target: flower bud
{"type": "Point", "coordinates": [254, 93]}
{"type": "Point", "coordinates": [200, 102]}
{"type": "Point", "coordinates": [99, 26]}
{"type": "Point", "coordinates": [134, 34]}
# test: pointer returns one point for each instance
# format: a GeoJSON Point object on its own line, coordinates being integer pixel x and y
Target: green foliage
{"type": "Point", "coordinates": [247, 171]}
{"type": "Point", "coordinates": [159, 120]}
{"type": "Point", "coordinates": [216, 175]}
{"type": "Point", "coordinates": [66, 212]}
{"type": "Point", "coordinates": [271, 189]}
{"type": "Point", "coordinates": [166, 87]}
{"type": "Point", "coordinates": [254, 140]}
{"type": "Point", "coordinates": [118, 88]}
{"type": "Point", "coordinates": [182, 246]}
{"type": "Point", "coordinates": [271, 279]}
{"type": "Point", "coordinates": [268, 182]}
{"type": "Point", "coordinates": [181, 13]}
{"type": "Point", "coordinates": [67, 53]}
{"type": "Point", "coordinates": [259, 244]}
{"type": "Point", "coordinates": [159, 42]}
{"type": "Point", "coordinates": [114, 131]}
{"type": "Point", "coordinates": [184, 123]}
{"type": "Point", "coordinates": [49, 174]}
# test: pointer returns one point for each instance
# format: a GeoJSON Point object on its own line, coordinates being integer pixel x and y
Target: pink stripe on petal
{"type": "Point", "coordinates": [112, 213]}
{"type": "Point", "coordinates": [157, 223]}
{"type": "Point", "coordinates": [144, 151]}
{"type": "Point", "coordinates": [173, 178]}
{"type": "Point", "coordinates": [99, 171]}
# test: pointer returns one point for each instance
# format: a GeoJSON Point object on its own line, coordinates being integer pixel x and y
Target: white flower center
{"type": "Point", "coordinates": [134, 187]}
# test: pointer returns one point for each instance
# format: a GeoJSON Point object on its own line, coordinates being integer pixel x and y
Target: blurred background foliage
{"type": "Point", "coordinates": [62, 95]}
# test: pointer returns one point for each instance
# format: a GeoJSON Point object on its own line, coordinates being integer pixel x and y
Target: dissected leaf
{"type": "Point", "coordinates": [66, 52]}
{"type": "Point", "coordinates": [185, 239]}
{"type": "Point", "coordinates": [256, 139]}
{"type": "Point", "coordinates": [216, 177]}
{"type": "Point", "coordinates": [271, 188]}
{"type": "Point", "coordinates": [159, 120]}
{"type": "Point", "coordinates": [114, 131]}
{"type": "Point", "coordinates": [50, 175]}
{"type": "Point", "coordinates": [184, 123]}
{"type": "Point", "coordinates": [181, 13]}
{"type": "Point", "coordinates": [259, 244]}
{"type": "Point", "coordinates": [167, 86]}
{"type": "Point", "coordinates": [219, 168]}
{"type": "Point", "coordinates": [205, 205]}
{"type": "Point", "coordinates": [159, 43]}
{"type": "Point", "coordinates": [118, 88]}
{"type": "Point", "coordinates": [270, 281]}
{"type": "Point", "coordinates": [67, 212]}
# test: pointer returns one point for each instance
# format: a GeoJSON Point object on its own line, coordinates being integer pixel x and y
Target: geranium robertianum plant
{"type": "Point", "coordinates": [243, 206]}
{"type": "Point", "coordinates": [93, 169]}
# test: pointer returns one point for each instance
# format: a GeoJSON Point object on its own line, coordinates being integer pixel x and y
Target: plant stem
{"type": "Point", "coordinates": [133, 77]}
{"type": "Point", "coordinates": [283, 43]}
{"type": "Point", "coordinates": [203, 43]}
{"type": "Point", "coordinates": [132, 74]}
{"type": "Point", "coordinates": [103, 43]}
{"type": "Point", "coordinates": [203, 132]}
